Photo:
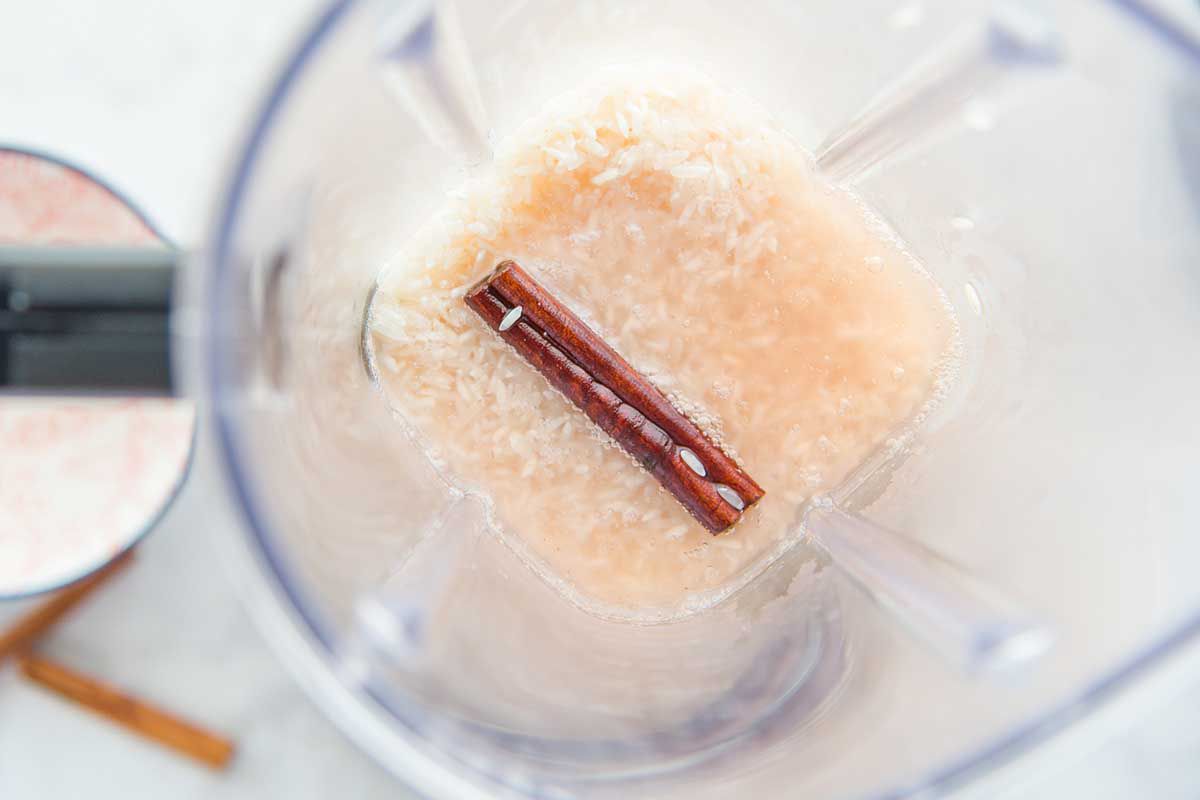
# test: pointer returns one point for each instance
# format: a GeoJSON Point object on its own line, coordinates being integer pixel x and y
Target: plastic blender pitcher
{"type": "Point", "coordinates": [1057, 201]}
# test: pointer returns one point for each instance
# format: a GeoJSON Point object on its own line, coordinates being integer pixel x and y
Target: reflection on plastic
{"type": "Point", "coordinates": [955, 613]}
{"type": "Point", "coordinates": [988, 57]}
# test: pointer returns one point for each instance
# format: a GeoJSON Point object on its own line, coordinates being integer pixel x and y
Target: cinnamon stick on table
{"type": "Point", "coordinates": [136, 715]}
{"type": "Point", "coordinates": [31, 627]}
{"type": "Point", "coordinates": [615, 396]}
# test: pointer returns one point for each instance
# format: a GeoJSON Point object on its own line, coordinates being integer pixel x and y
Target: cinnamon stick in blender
{"type": "Point", "coordinates": [616, 397]}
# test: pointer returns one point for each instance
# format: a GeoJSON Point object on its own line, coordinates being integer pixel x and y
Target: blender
{"type": "Point", "coordinates": [1047, 177]}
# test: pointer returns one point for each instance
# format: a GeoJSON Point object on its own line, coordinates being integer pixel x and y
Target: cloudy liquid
{"type": "Point", "coordinates": [694, 236]}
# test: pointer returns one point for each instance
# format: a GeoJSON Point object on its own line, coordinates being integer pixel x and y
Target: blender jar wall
{"type": "Point", "coordinates": [1065, 450]}
{"type": "Point", "coordinates": [344, 494]}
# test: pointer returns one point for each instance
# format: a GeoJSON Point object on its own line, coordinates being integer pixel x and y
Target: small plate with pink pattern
{"type": "Point", "coordinates": [81, 478]}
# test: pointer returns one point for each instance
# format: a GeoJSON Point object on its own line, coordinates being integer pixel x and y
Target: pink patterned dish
{"type": "Point", "coordinates": [81, 479]}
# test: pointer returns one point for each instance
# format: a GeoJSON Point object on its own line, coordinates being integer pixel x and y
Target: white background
{"type": "Point", "coordinates": [154, 96]}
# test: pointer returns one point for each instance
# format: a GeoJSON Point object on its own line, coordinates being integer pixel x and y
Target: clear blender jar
{"type": "Point", "coordinates": [1047, 176]}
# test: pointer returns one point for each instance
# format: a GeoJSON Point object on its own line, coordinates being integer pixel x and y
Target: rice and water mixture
{"type": "Point", "coordinates": [692, 234]}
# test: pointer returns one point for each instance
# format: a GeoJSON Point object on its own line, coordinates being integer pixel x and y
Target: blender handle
{"type": "Point", "coordinates": [86, 319]}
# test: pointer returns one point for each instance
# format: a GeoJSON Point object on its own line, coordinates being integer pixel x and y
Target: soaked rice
{"type": "Point", "coordinates": [686, 228]}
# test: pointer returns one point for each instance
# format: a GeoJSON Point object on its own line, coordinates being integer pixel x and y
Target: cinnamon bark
{"type": "Point", "coordinates": [615, 396]}
{"type": "Point", "coordinates": [136, 715]}
{"type": "Point", "coordinates": [26, 631]}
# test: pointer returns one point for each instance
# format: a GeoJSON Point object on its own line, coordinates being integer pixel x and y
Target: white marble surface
{"type": "Point", "coordinates": [154, 95]}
